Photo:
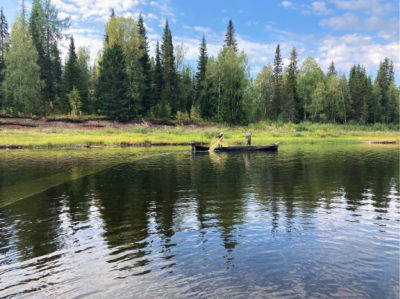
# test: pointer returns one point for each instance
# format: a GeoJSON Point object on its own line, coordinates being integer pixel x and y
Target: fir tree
{"type": "Point", "coordinates": [21, 83]}
{"type": "Point", "coordinates": [144, 60]}
{"type": "Point", "coordinates": [111, 85]}
{"type": "Point", "coordinates": [277, 80]}
{"type": "Point", "coordinates": [230, 38]}
{"type": "Point", "coordinates": [169, 90]}
{"type": "Point", "coordinates": [201, 91]}
{"type": "Point", "coordinates": [4, 44]}
{"type": "Point", "coordinates": [71, 76]}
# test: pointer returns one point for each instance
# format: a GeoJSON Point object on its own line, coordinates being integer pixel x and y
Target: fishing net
{"type": "Point", "coordinates": [217, 142]}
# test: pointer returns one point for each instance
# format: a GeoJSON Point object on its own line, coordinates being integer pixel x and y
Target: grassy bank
{"type": "Point", "coordinates": [262, 134]}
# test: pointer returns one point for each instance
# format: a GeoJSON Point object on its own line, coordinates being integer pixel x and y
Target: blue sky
{"type": "Point", "coordinates": [347, 32]}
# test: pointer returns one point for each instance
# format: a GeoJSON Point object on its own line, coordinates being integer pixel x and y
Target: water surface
{"type": "Point", "coordinates": [311, 221]}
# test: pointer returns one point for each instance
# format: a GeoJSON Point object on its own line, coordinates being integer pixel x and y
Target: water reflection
{"type": "Point", "coordinates": [313, 221]}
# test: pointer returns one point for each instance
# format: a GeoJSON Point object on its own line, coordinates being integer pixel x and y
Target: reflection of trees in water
{"type": "Point", "coordinates": [140, 200]}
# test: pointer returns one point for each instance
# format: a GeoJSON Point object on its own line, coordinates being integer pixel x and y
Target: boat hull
{"type": "Point", "coordinates": [273, 147]}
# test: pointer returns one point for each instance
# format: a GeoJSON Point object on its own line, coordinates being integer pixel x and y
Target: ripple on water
{"type": "Point", "coordinates": [308, 222]}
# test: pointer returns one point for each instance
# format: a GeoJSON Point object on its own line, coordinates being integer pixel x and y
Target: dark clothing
{"type": "Point", "coordinates": [248, 139]}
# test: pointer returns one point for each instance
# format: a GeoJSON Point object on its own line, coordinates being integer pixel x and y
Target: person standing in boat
{"type": "Point", "coordinates": [219, 136]}
{"type": "Point", "coordinates": [248, 138]}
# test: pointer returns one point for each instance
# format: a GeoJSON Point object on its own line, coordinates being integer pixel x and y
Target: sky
{"type": "Point", "coordinates": [346, 32]}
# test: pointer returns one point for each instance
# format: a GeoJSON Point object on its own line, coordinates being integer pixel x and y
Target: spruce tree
{"type": "Point", "coordinates": [201, 91]}
{"type": "Point", "coordinates": [384, 77]}
{"type": "Point", "coordinates": [170, 82]}
{"type": "Point", "coordinates": [47, 30]}
{"type": "Point", "coordinates": [358, 91]}
{"type": "Point", "coordinates": [289, 104]}
{"type": "Point", "coordinates": [83, 61]}
{"type": "Point", "coordinates": [21, 83]}
{"type": "Point", "coordinates": [144, 60]}
{"type": "Point", "coordinates": [111, 85]}
{"type": "Point", "coordinates": [157, 81]}
{"type": "Point", "coordinates": [277, 80]}
{"type": "Point", "coordinates": [4, 44]}
{"type": "Point", "coordinates": [71, 77]}
{"type": "Point", "coordinates": [230, 38]}
{"type": "Point", "coordinates": [331, 69]}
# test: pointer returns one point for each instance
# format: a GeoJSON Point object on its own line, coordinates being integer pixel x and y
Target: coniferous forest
{"type": "Point", "coordinates": [125, 82]}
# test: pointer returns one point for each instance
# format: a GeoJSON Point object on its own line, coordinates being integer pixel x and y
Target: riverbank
{"type": "Point", "coordinates": [23, 133]}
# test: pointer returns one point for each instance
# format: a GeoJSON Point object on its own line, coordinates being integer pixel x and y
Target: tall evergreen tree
{"type": "Point", "coordinates": [332, 69]}
{"type": "Point", "coordinates": [47, 30]}
{"type": "Point", "coordinates": [230, 37]}
{"type": "Point", "coordinates": [4, 44]}
{"type": "Point", "coordinates": [157, 81]}
{"type": "Point", "coordinates": [83, 65]}
{"type": "Point", "coordinates": [111, 85]}
{"type": "Point", "coordinates": [384, 77]}
{"type": "Point", "coordinates": [144, 60]}
{"type": "Point", "coordinates": [201, 91]}
{"type": "Point", "coordinates": [277, 80]}
{"type": "Point", "coordinates": [71, 77]}
{"type": "Point", "coordinates": [170, 82]}
{"type": "Point", "coordinates": [22, 83]}
{"type": "Point", "coordinates": [358, 91]}
{"type": "Point", "coordinates": [289, 103]}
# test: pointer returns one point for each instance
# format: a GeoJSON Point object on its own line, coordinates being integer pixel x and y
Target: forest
{"type": "Point", "coordinates": [125, 82]}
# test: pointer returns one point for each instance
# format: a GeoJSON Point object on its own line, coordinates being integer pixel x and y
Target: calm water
{"type": "Point", "coordinates": [311, 221]}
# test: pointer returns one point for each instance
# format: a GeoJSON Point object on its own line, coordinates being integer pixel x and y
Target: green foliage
{"type": "Point", "coordinates": [289, 96]}
{"type": "Point", "coordinates": [308, 78]}
{"type": "Point", "coordinates": [75, 102]}
{"type": "Point", "coordinates": [170, 81]}
{"type": "Point", "coordinates": [201, 91]}
{"type": "Point", "coordinates": [83, 65]}
{"type": "Point", "coordinates": [277, 86]}
{"type": "Point", "coordinates": [195, 114]}
{"type": "Point", "coordinates": [4, 44]}
{"type": "Point", "coordinates": [144, 60]}
{"type": "Point", "coordinates": [71, 77]}
{"type": "Point", "coordinates": [111, 91]}
{"type": "Point", "coordinates": [182, 117]}
{"type": "Point", "coordinates": [230, 37]}
{"type": "Point", "coordinates": [160, 111]}
{"type": "Point", "coordinates": [22, 82]}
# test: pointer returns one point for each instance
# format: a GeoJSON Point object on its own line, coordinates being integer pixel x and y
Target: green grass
{"type": "Point", "coordinates": [263, 133]}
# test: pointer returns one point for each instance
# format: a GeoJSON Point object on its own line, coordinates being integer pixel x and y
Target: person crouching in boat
{"type": "Point", "coordinates": [248, 138]}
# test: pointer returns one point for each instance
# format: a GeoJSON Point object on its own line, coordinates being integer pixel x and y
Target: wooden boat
{"type": "Point", "coordinates": [199, 148]}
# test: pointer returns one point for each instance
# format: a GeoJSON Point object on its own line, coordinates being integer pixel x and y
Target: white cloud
{"type": "Point", "coordinates": [388, 29]}
{"type": "Point", "coordinates": [202, 29]}
{"type": "Point", "coordinates": [286, 4]}
{"type": "Point", "coordinates": [346, 21]}
{"type": "Point", "coordinates": [320, 8]}
{"type": "Point", "coordinates": [375, 7]}
{"type": "Point", "coordinates": [96, 10]}
{"type": "Point", "coordinates": [163, 6]}
{"type": "Point", "coordinates": [353, 49]}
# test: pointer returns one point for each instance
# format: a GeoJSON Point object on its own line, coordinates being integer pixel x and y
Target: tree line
{"type": "Point", "coordinates": [126, 82]}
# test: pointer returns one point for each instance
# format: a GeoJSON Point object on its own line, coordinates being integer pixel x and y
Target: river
{"type": "Point", "coordinates": [308, 221]}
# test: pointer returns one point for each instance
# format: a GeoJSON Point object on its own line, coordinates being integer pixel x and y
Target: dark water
{"type": "Point", "coordinates": [311, 221]}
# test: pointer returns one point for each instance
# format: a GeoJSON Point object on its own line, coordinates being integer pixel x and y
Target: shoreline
{"type": "Point", "coordinates": [19, 133]}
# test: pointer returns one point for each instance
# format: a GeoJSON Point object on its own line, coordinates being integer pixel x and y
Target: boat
{"type": "Point", "coordinates": [200, 148]}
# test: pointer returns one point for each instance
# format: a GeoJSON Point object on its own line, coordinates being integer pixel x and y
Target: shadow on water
{"type": "Point", "coordinates": [309, 221]}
